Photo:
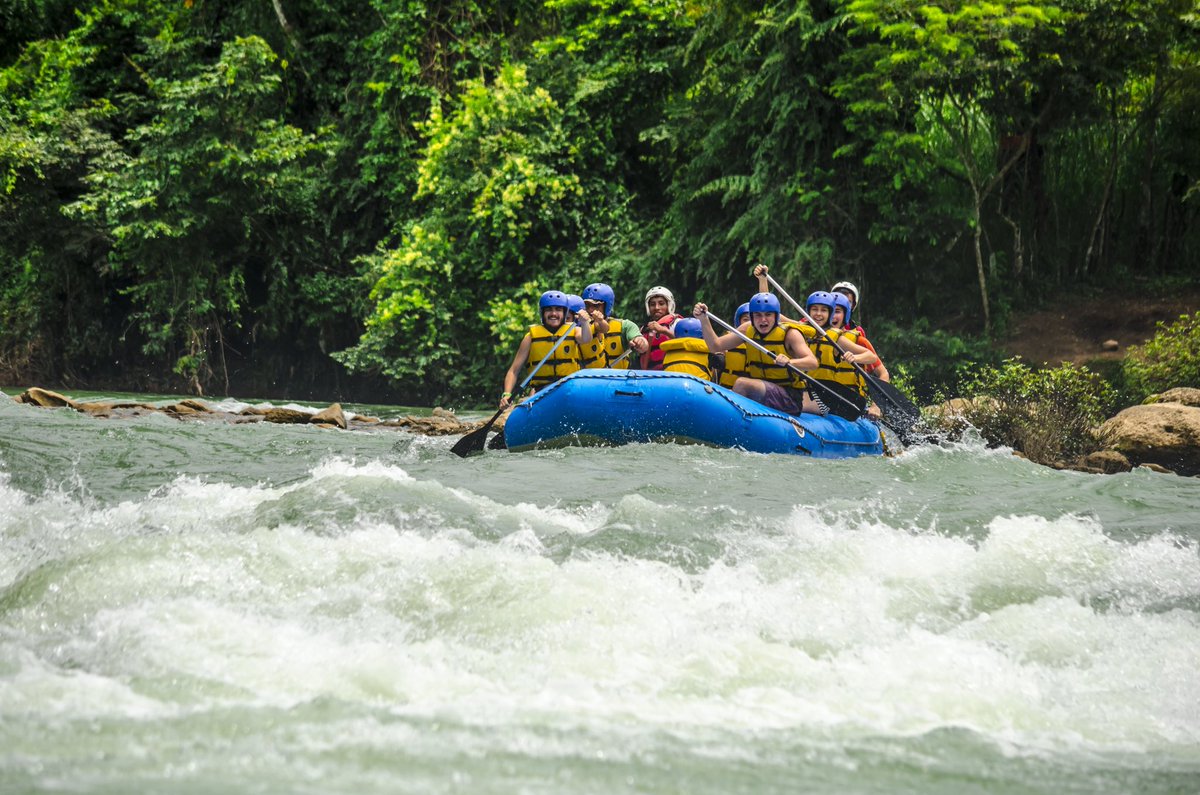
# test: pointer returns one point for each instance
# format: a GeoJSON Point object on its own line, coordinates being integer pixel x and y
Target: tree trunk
{"type": "Point", "coordinates": [979, 269]}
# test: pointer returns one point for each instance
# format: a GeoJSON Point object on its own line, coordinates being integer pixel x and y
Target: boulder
{"type": "Point", "coordinates": [287, 416]}
{"type": "Point", "coordinates": [1108, 462]}
{"type": "Point", "coordinates": [36, 396]}
{"type": "Point", "coordinates": [330, 416]}
{"type": "Point", "coordinates": [1110, 346]}
{"type": "Point", "coordinates": [442, 423]}
{"type": "Point", "coordinates": [1166, 434]}
{"type": "Point", "coordinates": [955, 414]}
{"type": "Point", "coordinates": [185, 407]}
{"type": "Point", "coordinates": [1187, 395]}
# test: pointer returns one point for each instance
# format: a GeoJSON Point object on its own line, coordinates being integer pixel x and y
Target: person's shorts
{"type": "Point", "coordinates": [782, 398]}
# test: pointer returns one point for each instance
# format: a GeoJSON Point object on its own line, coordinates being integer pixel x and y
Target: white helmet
{"type": "Point", "coordinates": [846, 286]}
{"type": "Point", "coordinates": [665, 293]}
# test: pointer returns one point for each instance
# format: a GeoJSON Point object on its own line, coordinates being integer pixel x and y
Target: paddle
{"type": "Point", "coordinates": [498, 443]}
{"type": "Point", "coordinates": [474, 441]}
{"type": "Point", "coordinates": [827, 393]}
{"type": "Point", "coordinates": [621, 358]}
{"type": "Point", "coordinates": [898, 411]}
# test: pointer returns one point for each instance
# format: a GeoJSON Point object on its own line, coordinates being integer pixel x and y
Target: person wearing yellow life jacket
{"type": "Point", "coordinates": [769, 381]}
{"type": "Point", "coordinates": [660, 307]}
{"type": "Point", "coordinates": [729, 366]}
{"type": "Point", "coordinates": [687, 351]}
{"type": "Point", "coordinates": [611, 336]}
{"type": "Point", "coordinates": [879, 370]}
{"type": "Point", "coordinates": [540, 339]}
{"type": "Point", "coordinates": [836, 353]}
{"type": "Point", "coordinates": [575, 305]}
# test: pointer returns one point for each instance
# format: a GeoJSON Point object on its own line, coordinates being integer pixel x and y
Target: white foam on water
{"type": "Point", "coordinates": [435, 603]}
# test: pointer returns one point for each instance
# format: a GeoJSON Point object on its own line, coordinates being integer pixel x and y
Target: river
{"type": "Point", "coordinates": [192, 607]}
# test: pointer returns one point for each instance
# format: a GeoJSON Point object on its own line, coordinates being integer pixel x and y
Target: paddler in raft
{"type": "Point", "coordinates": [769, 381]}
{"type": "Point", "coordinates": [687, 352]}
{"type": "Point", "coordinates": [729, 366]}
{"type": "Point", "coordinates": [611, 336]}
{"type": "Point", "coordinates": [541, 337]}
{"type": "Point", "coordinates": [851, 292]}
{"type": "Point", "coordinates": [836, 371]}
{"type": "Point", "coordinates": [660, 307]}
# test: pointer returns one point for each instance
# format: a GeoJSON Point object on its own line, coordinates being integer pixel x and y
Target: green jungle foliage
{"type": "Point", "coordinates": [1049, 414]}
{"type": "Point", "coordinates": [1170, 359]}
{"type": "Point", "coordinates": [315, 196]}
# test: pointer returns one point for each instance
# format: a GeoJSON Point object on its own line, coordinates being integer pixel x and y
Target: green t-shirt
{"type": "Point", "coordinates": [629, 331]}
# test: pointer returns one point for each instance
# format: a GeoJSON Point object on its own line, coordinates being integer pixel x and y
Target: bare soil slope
{"type": "Point", "coordinates": [1076, 330]}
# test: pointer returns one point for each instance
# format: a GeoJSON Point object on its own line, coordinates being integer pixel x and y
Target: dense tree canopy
{"type": "Point", "coordinates": [319, 195]}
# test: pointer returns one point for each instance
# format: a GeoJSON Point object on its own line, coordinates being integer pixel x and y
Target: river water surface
{"type": "Point", "coordinates": [191, 607]}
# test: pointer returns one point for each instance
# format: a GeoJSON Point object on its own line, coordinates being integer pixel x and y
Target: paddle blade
{"type": "Point", "coordinates": [498, 442]}
{"type": "Point", "coordinates": [474, 442]}
{"type": "Point", "coordinates": [899, 413]}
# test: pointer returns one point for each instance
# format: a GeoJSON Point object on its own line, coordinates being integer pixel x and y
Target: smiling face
{"type": "Point", "coordinates": [658, 306]}
{"type": "Point", "coordinates": [839, 316]}
{"type": "Point", "coordinates": [763, 322]}
{"type": "Point", "coordinates": [820, 313]}
{"type": "Point", "coordinates": [552, 316]}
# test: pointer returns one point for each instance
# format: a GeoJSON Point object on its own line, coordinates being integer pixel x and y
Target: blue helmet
{"type": "Point", "coordinates": [574, 304]}
{"type": "Point", "coordinates": [822, 298]}
{"type": "Point", "coordinates": [741, 313]}
{"type": "Point", "coordinates": [688, 327]}
{"type": "Point", "coordinates": [601, 292]}
{"type": "Point", "coordinates": [552, 298]}
{"type": "Point", "coordinates": [844, 303]}
{"type": "Point", "coordinates": [764, 302]}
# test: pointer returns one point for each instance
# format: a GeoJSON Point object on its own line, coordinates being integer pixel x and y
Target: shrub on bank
{"type": "Point", "coordinates": [1170, 359]}
{"type": "Point", "coordinates": [1048, 415]}
{"type": "Point", "coordinates": [927, 363]}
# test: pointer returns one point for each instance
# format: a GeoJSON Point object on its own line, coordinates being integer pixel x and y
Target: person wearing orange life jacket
{"type": "Point", "coordinates": [770, 382]}
{"type": "Point", "coordinates": [839, 322]}
{"type": "Point", "coordinates": [611, 336]}
{"type": "Point", "coordinates": [687, 351]}
{"type": "Point", "coordinates": [837, 351]}
{"type": "Point", "coordinates": [660, 308]}
{"type": "Point", "coordinates": [540, 340]}
{"type": "Point", "coordinates": [879, 370]}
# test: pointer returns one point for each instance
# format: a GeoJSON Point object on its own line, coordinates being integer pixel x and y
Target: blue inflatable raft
{"type": "Point", "coordinates": [612, 407]}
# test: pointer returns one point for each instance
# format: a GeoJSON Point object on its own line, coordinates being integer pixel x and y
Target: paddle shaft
{"type": "Point", "coordinates": [621, 358]}
{"type": "Point", "coordinates": [812, 381]}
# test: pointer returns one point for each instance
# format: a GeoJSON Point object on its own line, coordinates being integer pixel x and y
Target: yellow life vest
{"type": "Point", "coordinates": [564, 361]}
{"type": "Point", "coordinates": [761, 366]}
{"type": "Point", "coordinates": [591, 354]}
{"type": "Point", "coordinates": [830, 366]}
{"type": "Point", "coordinates": [602, 351]}
{"type": "Point", "coordinates": [735, 367]}
{"type": "Point", "coordinates": [686, 355]}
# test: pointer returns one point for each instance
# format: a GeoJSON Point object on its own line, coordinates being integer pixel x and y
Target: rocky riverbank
{"type": "Point", "coordinates": [1162, 434]}
{"type": "Point", "coordinates": [439, 422]}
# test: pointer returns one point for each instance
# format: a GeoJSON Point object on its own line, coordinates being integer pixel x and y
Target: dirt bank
{"type": "Point", "coordinates": [1076, 330]}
